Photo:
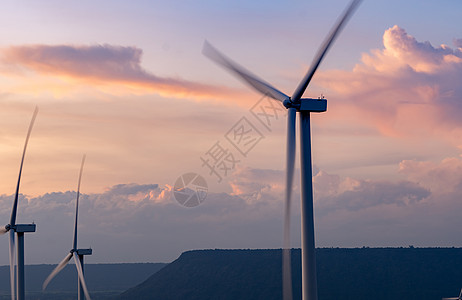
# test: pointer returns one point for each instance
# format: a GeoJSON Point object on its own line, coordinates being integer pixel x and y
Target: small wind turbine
{"type": "Point", "coordinates": [455, 298]}
{"type": "Point", "coordinates": [304, 106]}
{"type": "Point", "coordinates": [75, 253]}
{"type": "Point", "coordinates": [20, 229]}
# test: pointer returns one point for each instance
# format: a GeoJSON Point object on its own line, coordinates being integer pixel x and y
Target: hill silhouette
{"type": "Point", "coordinates": [352, 273]}
{"type": "Point", "coordinates": [104, 280]}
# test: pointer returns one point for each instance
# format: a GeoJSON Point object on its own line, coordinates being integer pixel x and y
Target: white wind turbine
{"type": "Point", "coordinates": [20, 229]}
{"type": "Point", "coordinates": [77, 254]}
{"type": "Point", "coordinates": [304, 106]}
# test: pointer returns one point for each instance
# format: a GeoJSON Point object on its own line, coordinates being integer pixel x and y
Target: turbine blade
{"type": "Point", "coordinates": [252, 80]}
{"type": "Point", "coordinates": [324, 48]}
{"type": "Point", "coordinates": [77, 203]}
{"type": "Point", "coordinates": [453, 298]}
{"type": "Point", "coordinates": [15, 203]}
{"type": "Point", "coordinates": [3, 230]}
{"type": "Point", "coordinates": [80, 274]}
{"type": "Point", "coordinates": [290, 166]}
{"type": "Point", "coordinates": [58, 269]}
{"type": "Point", "coordinates": [12, 262]}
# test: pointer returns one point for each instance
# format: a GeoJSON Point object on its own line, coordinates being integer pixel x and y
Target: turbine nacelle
{"type": "Point", "coordinates": [19, 228]}
{"type": "Point", "coordinates": [24, 227]}
{"type": "Point", "coordinates": [74, 253]}
{"type": "Point", "coordinates": [83, 251]}
{"type": "Point", "coordinates": [307, 104]}
{"type": "Point", "coordinates": [313, 105]}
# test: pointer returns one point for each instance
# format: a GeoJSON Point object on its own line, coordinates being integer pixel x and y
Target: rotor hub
{"type": "Point", "coordinates": [288, 103]}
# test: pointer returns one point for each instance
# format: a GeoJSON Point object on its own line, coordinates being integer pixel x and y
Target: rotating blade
{"type": "Point", "coordinates": [58, 269]}
{"type": "Point", "coordinates": [77, 203]}
{"type": "Point", "coordinates": [453, 298]}
{"type": "Point", "coordinates": [290, 166]}
{"type": "Point", "coordinates": [15, 203]}
{"type": "Point", "coordinates": [80, 274]}
{"type": "Point", "coordinates": [3, 230]}
{"type": "Point", "coordinates": [12, 263]}
{"type": "Point", "coordinates": [252, 80]}
{"type": "Point", "coordinates": [324, 48]}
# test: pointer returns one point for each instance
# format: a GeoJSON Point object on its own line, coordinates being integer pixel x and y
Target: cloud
{"type": "Point", "coordinates": [143, 222]}
{"type": "Point", "coordinates": [404, 51]}
{"type": "Point", "coordinates": [144, 215]}
{"type": "Point", "coordinates": [258, 184]}
{"type": "Point", "coordinates": [331, 192]}
{"type": "Point", "coordinates": [101, 65]}
{"type": "Point", "coordinates": [335, 193]}
{"type": "Point", "coordinates": [139, 193]}
{"type": "Point", "coordinates": [458, 43]}
{"type": "Point", "coordinates": [442, 177]}
{"type": "Point", "coordinates": [406, 88]}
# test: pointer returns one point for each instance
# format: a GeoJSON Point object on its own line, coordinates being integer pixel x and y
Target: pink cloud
{"type": "Point", "coordinates": [100, 65]}
{"type": "Point", "coordinates": [444, 177]}
{"type": "Point", "coordinates": [406, 88]}
{"type": "Point", "coordinates": [258, 184]}
{"type": "Point", "coordinates": [404, 51]}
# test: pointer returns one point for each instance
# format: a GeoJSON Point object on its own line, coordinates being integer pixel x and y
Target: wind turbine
{"type": "Point", "coordinates": [20, 229]}
{"type": "Point", "coordinates": [77, 254]}
{"type": "Point", "coordinates": [455, 298]}
{"type": "Point", "coordinates": [304, 106]}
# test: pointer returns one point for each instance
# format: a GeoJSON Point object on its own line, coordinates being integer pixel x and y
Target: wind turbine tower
{"type": "Point", "coordinates": [77, 254]}
{"type": "Point", "coordinates": [304, 106]}
{"type": "Point", "coordinates": [20, 229]}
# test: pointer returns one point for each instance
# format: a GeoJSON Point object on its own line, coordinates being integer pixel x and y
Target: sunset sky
{"type": "Point", "coordinates": [126, 83]}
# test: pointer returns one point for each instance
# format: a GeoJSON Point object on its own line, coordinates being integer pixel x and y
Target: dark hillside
{"type": "Point", "coordinates": [215, 274]}
{"type": "Point", "coordinates": [103, 280]}
{"type": "Point", "coordinates": [359, 274]}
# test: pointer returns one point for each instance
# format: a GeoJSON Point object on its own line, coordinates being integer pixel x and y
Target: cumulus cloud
{"type": "Point", "coordinates": [403, 51]}
{"type": "Point", "coordinates": [145, 215]}
{"type": "Point", "coordinates": [458, 43]}
{"type": "Point", "coordinates": [143, 222]}
{"type": "Point", "coordinates": [257, 184]}
{"type": "Point", "coordinates": [336, 193]}
{"type": "Point", "coordinates": [442, 177]}
{"type": "Point", "coordinates": [139, 193]}
{"type": "Point", "coordinates": [406, 88]}
{"type": "Point", "coordinates": [99, 65]}
{"type": "Point", "coordinates": [332, 192]}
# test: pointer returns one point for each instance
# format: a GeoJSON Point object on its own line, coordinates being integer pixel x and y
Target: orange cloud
{"type": "Point", "coordinates": [106, 66]}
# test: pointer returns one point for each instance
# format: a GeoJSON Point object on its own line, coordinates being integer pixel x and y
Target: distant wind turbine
{"type": "Point", "coordinates": [20, 229]}
{"type": "Point", "coordinates": [77, 254]}
{"type": "Point", "coordinates": [304, 106]}
{"type": "Point", "coordinates": [455, 298]}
